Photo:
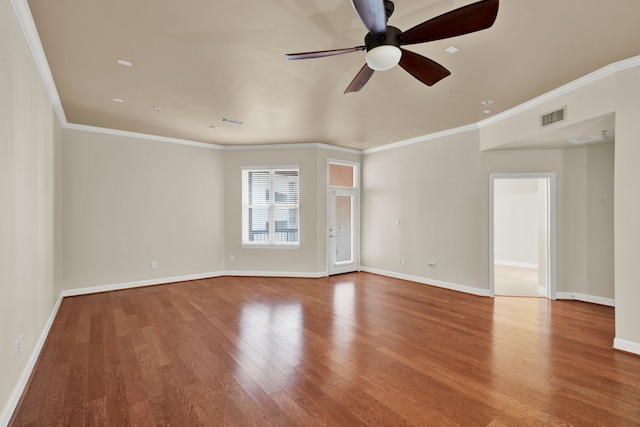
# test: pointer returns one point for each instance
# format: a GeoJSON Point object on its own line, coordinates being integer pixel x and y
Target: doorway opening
{"type": "Point", "coordinates": [522, 235]}
{"type": "Point", "coordinates": [343, 217]}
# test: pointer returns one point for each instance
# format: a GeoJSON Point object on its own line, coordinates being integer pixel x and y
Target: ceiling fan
{"type": "Point", "coordinates": [383, 41]}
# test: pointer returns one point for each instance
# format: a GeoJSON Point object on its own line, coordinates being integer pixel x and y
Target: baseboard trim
{"type": "Point", "coordinates": [626, 346]}
{"type": "Point", "coordinates": [19, 388]}
{"type": "Point", "coordinates": [431, 282]}
{"type": "Point", "coordinates": [301, 274]}
{"type": "Point", "coordinates": [138, 284]}
{"type": "Point", "coordinates": [586, 298]}
{"type": "Point", "coordinates": [164, 280]}
{"type": "Point", "coordinates": [515, 264]}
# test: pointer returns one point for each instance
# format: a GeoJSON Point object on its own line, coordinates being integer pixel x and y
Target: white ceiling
{"type": "Point", "coordinates": [198, 61]}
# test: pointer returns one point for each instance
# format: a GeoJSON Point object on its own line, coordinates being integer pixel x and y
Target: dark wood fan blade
{"type": "Point", "coordinates": [360, 80]}
{"type": "Point", "coordinates": [322, 53]}
{"type": "Point", "coordinates": [424, 69]}
{"type": "Point", "coordinates": [373, 15]}
{"type": "Point", "coordinates": [467, 19]}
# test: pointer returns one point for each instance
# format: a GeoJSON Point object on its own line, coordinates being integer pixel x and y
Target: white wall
{"type": "Point", "coordinates": [130, 201]}
{"type": "Point", "coordinates": [310, 258]}
{"type": "Point", "coordinates": [588, 221]}
{"type": "Point", "coordinates": [439, 189]}
{"type": "Point", "coordinates": [627, 209]}
{"type": "Point", "coordinates": [584, 185]}
{"type": "Point", "coordinates": [30, 211]}
{"type": "Point", "coordinates": [421, 202]}
{"type": "Point", "coordinates": [516, 216]}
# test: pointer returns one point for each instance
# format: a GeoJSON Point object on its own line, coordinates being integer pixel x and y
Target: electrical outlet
{"type": "Point", "coordinates": [431, 264]}
{"type": "Point", "coordinates": [154, 264]}
{"type": "Point", "coordinates": [232, 258]}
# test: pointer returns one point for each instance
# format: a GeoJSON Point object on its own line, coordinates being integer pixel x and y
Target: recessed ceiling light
{"type": "Point", "coordinates": [451, 94]}
{"type": "Point", "coordinates": [451, 49]}
{"type": "Point", "coordinates": [486, 111]}
{"type": "Point", "coordinates": [125, 63]}
{"type": "Point", "coordinates": [487, 102]}
{"type": "Point", "coordinates": [118, 100]}
{"type": "Point", "coordinates": [157, 108]}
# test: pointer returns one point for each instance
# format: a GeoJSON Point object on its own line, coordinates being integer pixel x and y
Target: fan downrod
{"type": "Point", "coordinates": [391, 37]}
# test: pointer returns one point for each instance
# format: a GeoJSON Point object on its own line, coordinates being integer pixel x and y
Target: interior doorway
{"type": "Point", "coordinates": [522, 235]}
{"type": "Point", "coordinates": [343, 217]}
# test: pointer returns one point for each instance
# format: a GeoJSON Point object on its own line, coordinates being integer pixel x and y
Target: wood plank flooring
{"type": "Point", "coordinates": [349, 350]}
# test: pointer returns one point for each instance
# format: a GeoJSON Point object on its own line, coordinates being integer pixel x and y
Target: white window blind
{"type": "Point", "coordinates": [270, 206]}
{"type": "Point", "coordinates": [344, 224]}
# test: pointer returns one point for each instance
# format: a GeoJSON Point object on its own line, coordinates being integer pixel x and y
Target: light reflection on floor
{"type": "Point", "coordinates": [521, 344]}
{"type": "Point", "coordinates": [344, 310]}
{"type": "Point", "coordinates": [271, 337]}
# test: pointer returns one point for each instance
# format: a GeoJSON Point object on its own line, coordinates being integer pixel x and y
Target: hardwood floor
{"type": "Point", "coordinates": [355, 349]}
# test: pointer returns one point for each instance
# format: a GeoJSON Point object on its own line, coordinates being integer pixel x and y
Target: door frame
{"type": "Point", "coordinates": [356, 214]}
{"type": "Point", "coordinates": [550, 232]}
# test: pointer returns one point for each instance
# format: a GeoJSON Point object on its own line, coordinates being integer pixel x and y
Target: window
{"type": "Point", "coordinates": [270, 206]}
{"type": "Point", "coordinates": [342, 175]}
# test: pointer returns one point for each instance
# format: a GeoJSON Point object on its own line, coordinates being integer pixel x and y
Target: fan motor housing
{"type": "Point", "coordinates": [392, 37]}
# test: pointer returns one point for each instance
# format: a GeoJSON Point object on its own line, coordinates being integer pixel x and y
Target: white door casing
{"type": "Point", "coordinates": [548, 252]}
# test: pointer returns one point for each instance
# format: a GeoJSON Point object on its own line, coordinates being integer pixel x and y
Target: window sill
{"type": "Point", "coordinates": [269, 246]}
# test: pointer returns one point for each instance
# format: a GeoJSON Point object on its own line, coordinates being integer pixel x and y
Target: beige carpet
{"type": "Point", "coordinates": [516, 281]}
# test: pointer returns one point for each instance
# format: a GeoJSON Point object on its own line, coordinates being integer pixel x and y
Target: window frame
{"type": "Point", "coordinates": [271, 207]}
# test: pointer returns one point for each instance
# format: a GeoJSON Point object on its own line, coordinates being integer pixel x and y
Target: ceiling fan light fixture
{"type": "Point", "coordinates": [383, 41]}
{"type": "Point", "coordinates": [382, 58]}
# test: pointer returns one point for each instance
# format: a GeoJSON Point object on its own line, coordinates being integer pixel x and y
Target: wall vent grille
{"type": "Point", "coordinates": [553, 117]}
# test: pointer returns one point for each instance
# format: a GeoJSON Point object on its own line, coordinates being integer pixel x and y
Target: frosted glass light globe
{"type": "Point", "coordinates": [383, 58]}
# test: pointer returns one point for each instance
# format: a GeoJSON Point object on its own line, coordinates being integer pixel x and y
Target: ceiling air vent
{"type": "Point", "coordinates": [553, 117]}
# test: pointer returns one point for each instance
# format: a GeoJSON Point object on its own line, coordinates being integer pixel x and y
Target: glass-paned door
{"type": "Point", "coordinates": [343, 228]}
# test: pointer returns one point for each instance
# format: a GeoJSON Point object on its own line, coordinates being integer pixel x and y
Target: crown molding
{"type": "Point", "coordinates": [107, 131]}
{"type": "Point", "coordinates": [25, 19]}
{"type": "Point", "coordinates": [291, 146]}
{"type": "Point", "coordinates": [28, 26]}
{"type": "Point", "coordinates": [337, 148]}
{"type": "Point", "coordinates": [423, 138]}
{"type": "Point", "coordinates": [602, 73]}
